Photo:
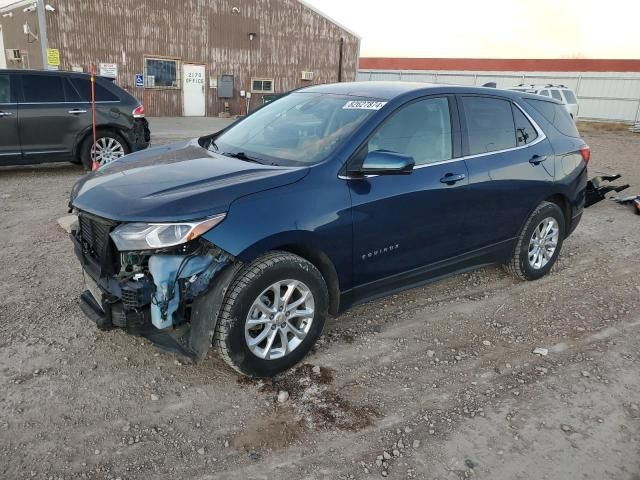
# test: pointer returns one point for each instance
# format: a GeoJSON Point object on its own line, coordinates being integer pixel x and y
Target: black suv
{"type": "Point", "coordinates": [46, 117]}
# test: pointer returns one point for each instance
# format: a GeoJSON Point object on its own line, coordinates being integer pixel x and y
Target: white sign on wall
{"type": "Point", "coordinates": [109, 70]}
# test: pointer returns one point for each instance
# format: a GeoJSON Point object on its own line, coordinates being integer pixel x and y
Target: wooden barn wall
{"type": "Point", "coordinates": [14, 37]}
{"type": "Point", "coordinates": [290, 38]}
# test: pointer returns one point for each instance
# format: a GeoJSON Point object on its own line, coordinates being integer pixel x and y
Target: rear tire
{"type": "Point", "coordinates": [113, 144]}
{"type": "Point", "coordinates": [539, 243]}
{"type": "Point", "coordinates": [261, 333]}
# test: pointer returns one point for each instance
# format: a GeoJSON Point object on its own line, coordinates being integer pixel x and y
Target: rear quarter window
{"type": "Point", "coordinates": [570, 97]}
{"type": "Point", "coordinates": [556, 115]}
{"type": "Point", "coordinates": [83, 86]}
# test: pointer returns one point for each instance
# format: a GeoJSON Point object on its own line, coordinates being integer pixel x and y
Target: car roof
{"type": "Point", "coordinates": [393, 89]}
{"type": "Point", "coordinates": [48, 72]}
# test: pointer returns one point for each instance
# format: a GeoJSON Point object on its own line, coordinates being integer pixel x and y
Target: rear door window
{"type": "Point", "coordinates": [83, 86]}
{"type": "Point", "coordinates": [490, 125]}
{"type": "Point", "coordinates": [5, 89]}
{"type": "Point", "coordinates": [421, 129]}
{"type": "Point", "coordinates": [570, 97]}
{"type": "Point", "coordinates": [70, 92]}
{"type": "Point", "coordinates": [545, 93]}
{"type": "Point", "coordinates": [42, 88]}
{"type": "Point", "coordinates": [556, 94]}
{"type": "Point", "coordinates": [525, 131]}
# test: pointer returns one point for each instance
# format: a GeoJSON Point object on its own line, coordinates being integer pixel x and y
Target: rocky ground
{"type": "Point", "coordinates": [434, 383]}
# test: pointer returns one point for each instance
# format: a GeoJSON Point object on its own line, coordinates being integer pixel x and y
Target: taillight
{"type": "Point", "coordinates": [138, 112]}
{"type": "Point", "coordinates": [586, 153]}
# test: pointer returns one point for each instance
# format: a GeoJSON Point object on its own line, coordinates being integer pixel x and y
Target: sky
{"type": "Point", "coordinates": [491, 28]}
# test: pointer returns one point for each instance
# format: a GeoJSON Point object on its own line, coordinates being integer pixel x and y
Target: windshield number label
{"type": "Point", "coordinates": [363, 105]}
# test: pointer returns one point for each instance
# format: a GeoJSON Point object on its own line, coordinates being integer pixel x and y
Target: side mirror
{"type": "Point", "coordinates": [382, 162]}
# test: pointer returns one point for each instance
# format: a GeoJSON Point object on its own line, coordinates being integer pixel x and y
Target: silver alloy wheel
{"type": "Point", "coordinates": [279, 319]}
{"type": "Point", "coordinates": [107, 149]}
{"type": "Point", "coordinates": [543, 243]}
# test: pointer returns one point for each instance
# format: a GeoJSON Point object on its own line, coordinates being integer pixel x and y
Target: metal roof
{"type": "Point", "coordinates": [335, 22]}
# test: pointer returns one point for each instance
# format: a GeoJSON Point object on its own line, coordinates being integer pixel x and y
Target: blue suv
{"type": "Point", "coordinates": [328, 197]}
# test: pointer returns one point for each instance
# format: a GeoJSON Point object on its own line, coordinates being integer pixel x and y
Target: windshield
{"type": "Point", "coordinates": [299, 129]}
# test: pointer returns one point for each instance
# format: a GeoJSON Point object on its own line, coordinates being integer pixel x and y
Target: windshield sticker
{"type": "Point", "coordinates": [363, 105]}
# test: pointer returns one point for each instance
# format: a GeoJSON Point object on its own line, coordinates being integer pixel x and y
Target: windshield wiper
{"type": "Point", "coordinates": [242, 156]}
{"type": "Point", "coordinates": [212, 147]}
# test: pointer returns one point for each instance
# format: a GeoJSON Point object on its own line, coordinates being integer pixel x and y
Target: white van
{"type": "Point", "coordinates": [559, 92]}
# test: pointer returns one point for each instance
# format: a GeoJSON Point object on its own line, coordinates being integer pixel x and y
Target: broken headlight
{"type": "Point", "coordinates": [151, 236]}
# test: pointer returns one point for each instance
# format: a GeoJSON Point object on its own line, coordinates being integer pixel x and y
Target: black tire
{"type": "Point", "coordinates": [85, 148]}
{"type": "Point", "coordinates": [519, 265]}
{"type": "Point", "coordinates": [246, 287]}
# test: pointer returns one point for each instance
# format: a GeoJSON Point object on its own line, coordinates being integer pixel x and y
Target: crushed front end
{"type": "Point", "coordinates": [157, 293]}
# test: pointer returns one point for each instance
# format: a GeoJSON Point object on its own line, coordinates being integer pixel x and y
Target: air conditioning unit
{"type": "Point", "coordinates": [13, 54]}
{"type": "Point", "coordinates": [306, 76]}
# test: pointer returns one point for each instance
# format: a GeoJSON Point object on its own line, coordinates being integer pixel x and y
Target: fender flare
{"type": "Point", "coordinates": [206, 309]}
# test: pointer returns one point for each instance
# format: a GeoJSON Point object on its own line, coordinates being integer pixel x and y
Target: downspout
{"type": "Point", "coordinates": [42, 27]}
{"type": "Point", "coordinates": [340, 60]}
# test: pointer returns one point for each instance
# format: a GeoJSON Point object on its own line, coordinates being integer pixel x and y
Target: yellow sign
{"type": "Point", "coordinates": [53, 57]}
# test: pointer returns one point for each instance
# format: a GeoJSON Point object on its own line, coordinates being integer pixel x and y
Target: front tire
{"type": "Point", "coordinates": [539, 243]}
{"type": "Point", "coordinates": [272, 315]}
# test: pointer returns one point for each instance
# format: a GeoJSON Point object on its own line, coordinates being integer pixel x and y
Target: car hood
{"type": "Point", "coordinates": [180, 181]}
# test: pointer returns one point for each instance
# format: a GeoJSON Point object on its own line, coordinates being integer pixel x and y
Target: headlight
{"type": "Point", "coordinates": [149, 236]}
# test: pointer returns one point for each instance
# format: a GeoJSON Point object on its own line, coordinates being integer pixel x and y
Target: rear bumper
{"type": "Point", "coordinates": [139, 136]}
{"type": "Point", "coordinates": [574, 222]}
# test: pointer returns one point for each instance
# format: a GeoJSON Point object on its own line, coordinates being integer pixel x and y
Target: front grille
{"type": "Point", "coordinates": [94, 232]}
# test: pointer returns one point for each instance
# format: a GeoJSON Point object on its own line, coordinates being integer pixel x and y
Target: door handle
{"type": "Point", "coordinates": [452, 178]}
{"type": "Point", "coordinates": [537, 159]}
{"type": "Point", "coordinates": [6, 114]}
{"type": "Point", "coordinates": [76, 111]}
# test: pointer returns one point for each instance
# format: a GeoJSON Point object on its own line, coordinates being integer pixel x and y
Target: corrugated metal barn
{"type": "Point", "coordinates": [606, 89]}
{"type": "Point", "coordinates": [187, 57]}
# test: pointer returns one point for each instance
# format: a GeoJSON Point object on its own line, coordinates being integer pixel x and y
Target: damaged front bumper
{"type": "Point", "coordinates": [172, 297]}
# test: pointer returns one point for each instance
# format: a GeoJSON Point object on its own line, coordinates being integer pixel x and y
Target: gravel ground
{"type": "Point", "coordinates": [438, 382]}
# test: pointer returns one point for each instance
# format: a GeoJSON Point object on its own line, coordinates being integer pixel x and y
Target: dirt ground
{"type": "Point", "coordinates": [435, 383]}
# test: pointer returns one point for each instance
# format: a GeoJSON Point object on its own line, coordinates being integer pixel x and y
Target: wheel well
{"type": "Point", "coordinates": [78, 147]}
{"type": "Point", "coordinates": [564, 205]}
{"type": "Point", "coordinates": [323, 263]}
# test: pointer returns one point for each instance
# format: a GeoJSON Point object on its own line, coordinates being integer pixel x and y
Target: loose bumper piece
{"type": "Point", "coordinates": [633, 200]}
{"type": "Point", "coordinates": [596, 191]}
